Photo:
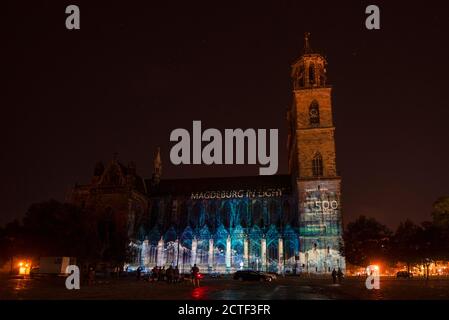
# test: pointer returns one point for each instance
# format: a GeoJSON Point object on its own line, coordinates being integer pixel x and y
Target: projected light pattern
{"type": "Point", "coordinates": [222, 236]}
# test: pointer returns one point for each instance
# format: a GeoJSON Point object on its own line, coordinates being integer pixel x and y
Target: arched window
{"type": "Point", "coordinates": [226, 214]}
{"type": "Point", "coordinates": [311, 73]}
{"type": "Point", "coordinates": [212, 216]}
{"type": "Point", "coordinates": [301, 76]}
{"type": "Point", "coordinates": [257, 214]}
{"type": "Point", "coordinates": [274, 215]}
{"type": "Point", "coordinates": [314, 113]}
{"type": "Point", "coordinates": [195, 217]}
{"type": "Point", "coordinates": [317, 165]}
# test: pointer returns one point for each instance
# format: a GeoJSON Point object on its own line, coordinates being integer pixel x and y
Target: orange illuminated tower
{"type": "Point", "coordinates": [312, 163]}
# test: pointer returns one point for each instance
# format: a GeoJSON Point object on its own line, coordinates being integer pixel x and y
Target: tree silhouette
{"type": "Point", "coordinates": [366, 241]}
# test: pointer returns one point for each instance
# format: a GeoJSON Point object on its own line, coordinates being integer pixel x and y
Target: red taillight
{"type": "Point", "coordinates": [199, 276]}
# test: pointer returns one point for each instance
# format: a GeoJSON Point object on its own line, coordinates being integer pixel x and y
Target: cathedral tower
{"type": "Point", "coordinates": [312, 164]}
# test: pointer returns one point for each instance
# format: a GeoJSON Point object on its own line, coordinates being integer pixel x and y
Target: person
{"type": "Point", "coordinates": [162, 274]}
{"type": "Point", "coordinates": [169, 274]}
{"type": "Point", "coordinates": [91, 276]}
{"type": "Point", "coordinates": [339, 275]}
{"type": "Point", "coordinates": [195, 276]}
{"type": "Point", "coordinates": [334, 276]}
{"type": "Point", "coordinates": [154, 274]}
{"type": "Point", "coordinates": [176, 274]}
{"type": "Point", "coordinates": [139, 273]}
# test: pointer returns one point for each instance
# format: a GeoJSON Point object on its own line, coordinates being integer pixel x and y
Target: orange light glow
{"type": "Point", "coordinates": [24, 268]}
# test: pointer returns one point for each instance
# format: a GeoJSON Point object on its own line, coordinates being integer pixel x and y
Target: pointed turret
{"type": "Point", "coordinates": [309, 71]}
{"type": "Point", "coordinates": [307, 48]}
{"type": "Point", "coordinates": [157, 166]}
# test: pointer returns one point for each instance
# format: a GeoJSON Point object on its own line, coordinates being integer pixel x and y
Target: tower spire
{"type": "Point", "coordinates": [157, 166]}
{"type": "Point", "coordinates": [309, 71]}
{"type": "Point", "coordinates": [307, 48]}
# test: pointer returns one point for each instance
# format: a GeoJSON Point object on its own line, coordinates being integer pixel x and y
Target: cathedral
{"type": "Point", "coordinates": [280, 223]}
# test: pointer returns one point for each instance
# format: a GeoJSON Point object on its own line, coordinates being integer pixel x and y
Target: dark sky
{"type": "Point", "coordinates": [136, 71]}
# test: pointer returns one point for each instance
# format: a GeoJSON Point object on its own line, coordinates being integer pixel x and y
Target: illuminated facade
{"type": "Point", "coordinates": [281, 223]}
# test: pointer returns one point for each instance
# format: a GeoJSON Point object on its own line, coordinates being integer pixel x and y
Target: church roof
{"type": "Point", "coordinates": [187, 186]}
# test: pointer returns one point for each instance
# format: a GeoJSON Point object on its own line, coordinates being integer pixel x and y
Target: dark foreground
{"type": "Point", "coordinates": [225, 289]}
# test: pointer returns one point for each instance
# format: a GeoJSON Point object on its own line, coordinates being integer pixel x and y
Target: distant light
{"type": "Point", "coordinates": [24, 268]}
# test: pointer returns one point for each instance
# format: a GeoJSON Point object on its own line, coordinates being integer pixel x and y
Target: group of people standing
{"type": "Point", "coordinates": [337, 275]}
{"type": "Point", "coordinates": [170, 275]}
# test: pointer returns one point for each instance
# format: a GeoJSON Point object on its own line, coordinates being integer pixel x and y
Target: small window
{"type": "Point", "coordinates": [312, 73]}
{"type": "Point", "coordinates": [317, 165]}
{"type": "Point", "coordinates": [314, 113]}
{"type": "Point", "coordinates": [301, 76]}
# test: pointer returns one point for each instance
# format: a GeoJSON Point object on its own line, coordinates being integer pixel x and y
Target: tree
{"type": "Point", "coordinates": [405, 243]}
{"type": "Point", "coordinates": [428, 239]}
{"type": "Point", "coordinates": [11, 240]}
{"type": "Point", "coordinates": [366, 241]}
{"type": "Point", "coordinates": [440, 218]}
{"type": "Point", "coordinates": [440, 212]}
{"type": "Point", "coordinates": [51, 228]}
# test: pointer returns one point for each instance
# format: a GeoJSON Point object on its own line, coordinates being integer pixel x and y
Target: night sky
{"type": "Point", "coordinates": [136, 71]}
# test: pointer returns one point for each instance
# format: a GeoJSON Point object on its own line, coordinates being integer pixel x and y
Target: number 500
{"type": "Point", "coordinates": [326, 205]}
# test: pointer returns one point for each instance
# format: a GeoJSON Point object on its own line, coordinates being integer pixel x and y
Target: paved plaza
{"type": "Point", "coordinates": [225, 289]}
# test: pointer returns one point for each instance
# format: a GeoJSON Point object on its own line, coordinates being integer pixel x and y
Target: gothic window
{"type": "Point", "coordinates": [170, 255]}
{"type": "Point", "coordinates": [211, 222]}
{"type": "Point", "coordinates": [286, 213]}
{"type": "Point", "coordinates": [226, 214]}
{"type": "Point", "coordinates": [243, 213]}
{"type": "Point", "coordinates": [311, 73]}
{"type": "Point", "coordinates": [195, 217]}
{"type": "Point", "coordinates": [183, 215]}
{"type": "Point", "coordinates": [257, 213]}
{"type": "Point", "coordinates": [301, 76]}
{"type": "Point", "coordinates": [317, 165]}
{"type": "Point", "coordinates": [273, 213]}
{"type": "Point", "coordinates": [314, 113]}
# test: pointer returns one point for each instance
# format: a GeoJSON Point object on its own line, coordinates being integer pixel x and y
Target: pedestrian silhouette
{"type": "Point", "coordinates": [334, 276]}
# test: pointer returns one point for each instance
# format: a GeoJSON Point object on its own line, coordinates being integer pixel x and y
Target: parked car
{"type": "Point", "coordinates": [214, 275]}
{"type": "Point", "coordinates": [249, 275]}
{"type": "Point", "coordinates": [273, 275]}
{"type": "Point", "coordinates": [404, 274]}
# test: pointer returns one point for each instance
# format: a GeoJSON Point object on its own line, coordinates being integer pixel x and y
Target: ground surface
{"type": "Point", "coordinates": [224, 289]}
